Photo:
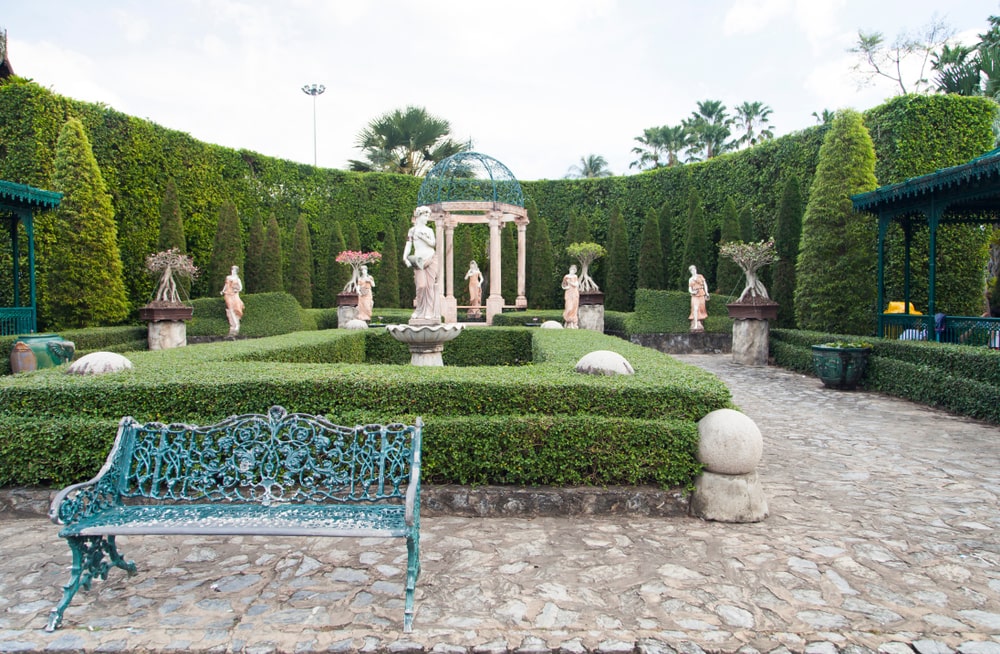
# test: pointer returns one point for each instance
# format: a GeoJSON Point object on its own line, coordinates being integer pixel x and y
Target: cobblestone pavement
{"type": "Point", "coordinates": [882, 536]}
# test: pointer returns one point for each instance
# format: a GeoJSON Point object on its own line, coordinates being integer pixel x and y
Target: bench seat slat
{"type": "Point", "coordinates": [240, 519]}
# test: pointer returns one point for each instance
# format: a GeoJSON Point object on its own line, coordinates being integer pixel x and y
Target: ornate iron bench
{"type": "Point", "coordinates": [278, 474]}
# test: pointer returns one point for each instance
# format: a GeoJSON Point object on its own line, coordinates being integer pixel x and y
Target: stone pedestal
{"type": "Point", "coordinates": [729, 447]}
{"type": "Point", "coordinates": [750, 342]}
{"type": "Point", "coordinates": [729, 498]}
{"type": "Point", "coordinates": [345, 314]}
{"type": "Point", "coordinates": [590, 315]}
{"type": "Point", "coordinates": [167, 334]}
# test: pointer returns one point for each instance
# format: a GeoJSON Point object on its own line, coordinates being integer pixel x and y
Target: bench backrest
{"type": "Point", "coordinates": [264, 458]}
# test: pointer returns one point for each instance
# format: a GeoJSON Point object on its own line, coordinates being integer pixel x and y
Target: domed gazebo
{"type": "Point", "coordinates": [472, 188]}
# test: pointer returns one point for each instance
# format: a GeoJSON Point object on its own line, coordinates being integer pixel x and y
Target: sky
{"type": "Point", "coordinates": [536, 84]}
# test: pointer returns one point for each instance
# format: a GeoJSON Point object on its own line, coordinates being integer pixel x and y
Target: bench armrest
{"type": "Point", "coordinates": [412, 514]}
{"type": "Point", "coordinates": [79, 501]}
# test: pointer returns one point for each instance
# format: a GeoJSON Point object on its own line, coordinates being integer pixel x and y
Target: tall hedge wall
{"type": "Point", "coordinates": [912, 135]}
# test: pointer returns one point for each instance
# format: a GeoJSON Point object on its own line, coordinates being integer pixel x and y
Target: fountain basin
{"type": "Point", "coordinates": [426, 342]}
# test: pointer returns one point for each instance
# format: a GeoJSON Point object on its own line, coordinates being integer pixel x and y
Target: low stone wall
{"type": "Point", "coordinates": [472, 501]}
{"type": "Point", "coordinates": [700, 343]}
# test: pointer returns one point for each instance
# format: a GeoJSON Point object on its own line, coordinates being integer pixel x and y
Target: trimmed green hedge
{"type": "Point", "coordinates": [106, 339]}
{"type": "Point", "coordinates": [958, 378]}
{"type": "Point", "coordinates": [303, 372]}
{"type": "Point", "coordinates": [266, 314]}
{"type": "Point", "coordinates": [666, 312]}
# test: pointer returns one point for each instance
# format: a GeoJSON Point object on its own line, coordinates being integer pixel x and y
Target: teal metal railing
{"type": "Point", "coordinates": [17, 320]}
{"type": "Point", "coordinates": [965, 330]}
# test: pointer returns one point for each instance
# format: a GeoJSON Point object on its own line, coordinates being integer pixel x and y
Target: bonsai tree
{"type": "Point", "coordinates": [751, 257]}
{"type": "Point", "coordinates": [167, 265]}
{"type": "Point", "coordinates": [355, 260]}
{"type": "Point", "coordinates": [586, 254]}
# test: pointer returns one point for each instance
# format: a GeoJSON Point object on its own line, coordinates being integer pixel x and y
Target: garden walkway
{"type": "Point", "coordinates": [883, 534]}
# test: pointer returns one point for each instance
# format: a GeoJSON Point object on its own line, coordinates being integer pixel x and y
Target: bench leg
{"type": "Point", "coordinates": [412, 572]}
{"type": "Point", "coordinates": [88, 562]}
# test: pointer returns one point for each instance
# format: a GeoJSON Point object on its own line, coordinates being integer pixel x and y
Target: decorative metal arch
{"type": "Point", "coordinates": [470, 177]}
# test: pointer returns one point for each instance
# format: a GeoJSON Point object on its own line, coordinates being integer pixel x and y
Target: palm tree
{"type": "Point", "coordinates": [709, 127]}
{"type": "Point", "coordinates": [408, 141]}
{"type": "Point", "coordinates": [751, 117]}
{"type": "Point", "coordinates": [593, 165]}
{"type": "Point", "coordinates": [824, 117]}
{"type": "Point", "coordinates": [661, 143]}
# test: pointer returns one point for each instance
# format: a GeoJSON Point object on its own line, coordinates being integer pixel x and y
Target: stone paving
{"type": "Point", "coordinates": [882, 536]}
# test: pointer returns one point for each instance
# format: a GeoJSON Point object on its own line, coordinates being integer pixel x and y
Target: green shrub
{"type": "Point", "coordinates": [266, 314]}
{"type": "Point", "coordinates": [666, 312]}
{"type": "Point", "coordinates": [322, 318]}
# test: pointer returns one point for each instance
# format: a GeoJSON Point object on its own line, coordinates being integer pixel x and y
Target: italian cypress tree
{"type": "Point", "coordinates": [835, 288]}
{"type": "Point", "coordinates": [508, 265]}
{"type": "Point", "coordinates": [227, 248]}
{"type": "Point", "coordinates": [577, 231]}
{"type": "Point", "coordinates": [618, 294]}
{"type": "Point", "coordinates": [272, 278]}
{"type": "Point", "coordinates": [353, 237]}
{"type": "Point", "coordinates": [650, 253]}
{"type": "Point", "coordinates": [171, 221]}
{"type": "Point", "coordinates": [337, 274]}
{"type": "Point", "coordinates": [301, 265]}
{"type": "Point", "coordinates": [666, 220]}
{"type": "Point", "coordinates": [83, 282]}
{"type": "Point", "coordinates": [728, 276]}
{"type": "Point", "coordinates": [541, 277]}
{"type": "Point", "coordinates": [407, 290]}
{"type": "Point", "coordinates": [746, 225]}
{"type": "Point", "coordinates": [387, 290]}
{"type": "Point", "coordinates": [463, 255]}
{"type": "Point", "coordinates": [695, 251]}
{"type": "Point", "coordinates": [788, 230]}
{"type": "Point", "coordinates": [252, 265]}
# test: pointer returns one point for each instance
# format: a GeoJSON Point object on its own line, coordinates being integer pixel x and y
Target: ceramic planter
{"type": "Point", "coordinates": [840, 367]}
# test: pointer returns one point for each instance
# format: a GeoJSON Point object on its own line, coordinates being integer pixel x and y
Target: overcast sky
{"type": "Point", "coordinates": [536, 84]}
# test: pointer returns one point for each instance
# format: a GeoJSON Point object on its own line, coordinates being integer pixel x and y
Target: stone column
{"type": "Point", "coordinates": [751, 331]}
{"type": "Point", "coordinates": [439, 248]}
{"type": "Point", "coordinates": [522, 300]}
{"type": "Point", "coordinates": [449, 306]}
{"type": "Point", "coordinates": [494, 303]}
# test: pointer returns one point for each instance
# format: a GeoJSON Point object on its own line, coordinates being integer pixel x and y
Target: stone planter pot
{"type": "Point", "coordinates": [347, 299]}
{"type": "Point", "coordinates": [165, 313]}
{"type": "Point", "coordinates": [748, 311]}
{"type": "Point", "coordinates": [840, 367]}
{"type": "Point", "coordinates": [589, 299]}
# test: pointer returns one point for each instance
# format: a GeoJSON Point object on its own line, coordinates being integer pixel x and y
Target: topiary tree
{"type": "Point", "coordinates": [788, 231]}
{"type": "Point", "coordinates": [541, 262]}
{"type": "Point", "coordinates": [272, 277]}
{"type": "Point", "coordinates": [254, 261]}
{"type": "Point", "coordinates": [227, 248]}
{"type": "Point", "coordinates": [83, 284]}
{"type": "Point", "coordinates": [666, 220]}
{"type": "Point", "coordinates": [618, 291]}
{"type": "Point", "coordinates": [650, 273]}
{"type": "Point", "coordinates": [337, 275]}
{"type": "Point", "coordinates": [171, 221]}
{"type": "Point", "coordinates": [746, 225]}
{"type": "Point", "coordinates": [835, 291]}
{"type": "Point", "coordinates": [301, 265]}
{"type": "Point", "coordinates": [353, 237]}
{"type": "Point", "coordinates": [695, 252]}
{"type": "Point", "coordinates": [387, 290]}
{"type": "Point", "coordinates": [508, 266]}
{"type": "Point", "coordinates": [407, 290]}
{"type": "Point", "coordinates": [728, 275]}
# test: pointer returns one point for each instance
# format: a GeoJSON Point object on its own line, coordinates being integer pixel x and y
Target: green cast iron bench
{"type": "Point", "coordinates": [274, 474]}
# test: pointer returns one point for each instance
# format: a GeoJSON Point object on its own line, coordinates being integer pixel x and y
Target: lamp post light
{"type": "Point", "coordinates": [314, 90]}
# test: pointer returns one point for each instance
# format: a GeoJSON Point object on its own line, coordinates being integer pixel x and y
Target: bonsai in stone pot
{"type": "Point", "coordinates": [841, 364]}
{"type": "Point", "coordinates": [354, 259]}
{"type": "Point", "coordinates": [168, 266]}
{"type": "Point", "coordinates": [754, 302]}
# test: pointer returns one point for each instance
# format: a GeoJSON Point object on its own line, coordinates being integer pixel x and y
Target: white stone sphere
{"type": "Point", "coordinates": [729, 443]}
{"type": "Point", "coordinates": [356, 323]}
{"type": "Point", "coordinates": [99, 363]}
{"type": "Point", "coordinates": [551, 324]}
{"type": "Point", "coordinates": [604, 362]}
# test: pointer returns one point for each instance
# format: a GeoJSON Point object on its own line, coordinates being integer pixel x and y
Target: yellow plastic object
{"type": "Point", "coordinates": [898, 307]}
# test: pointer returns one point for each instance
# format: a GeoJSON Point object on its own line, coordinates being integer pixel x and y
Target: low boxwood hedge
{"type": "Point", "coordinates": [666, 312]}
{"type": "Point", "coordinates": [266, 314]}
{"type": "Point", "coordinates": [467, 408]}
{"type": "Point", "coordinates": [958, 378]}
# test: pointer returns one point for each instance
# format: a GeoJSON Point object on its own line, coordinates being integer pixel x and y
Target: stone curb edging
{"type": "Point", "coordinates": [471, 501]}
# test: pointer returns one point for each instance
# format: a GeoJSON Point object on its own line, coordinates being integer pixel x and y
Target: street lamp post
{"type": "Point", "coordinates": [314, 90]}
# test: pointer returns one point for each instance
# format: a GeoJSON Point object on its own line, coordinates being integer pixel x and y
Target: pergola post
{"type": "Point", "coordinates": [449, 306]}
{"type": "Point", "coordinates": [933, 220]}
{"type": "Point", "coordinates": [522, 300]}
{"type": "Point", "coordinates": [494, 303]}
{"type": "Point", "coordinates": [883, 228]}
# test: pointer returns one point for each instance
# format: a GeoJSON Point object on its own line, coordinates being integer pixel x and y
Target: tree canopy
{"type": "Point", "coordinates": [406, 141]}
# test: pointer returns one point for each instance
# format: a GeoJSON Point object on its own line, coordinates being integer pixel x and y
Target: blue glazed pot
{"type": "Point", "coordinates": [840, 367]}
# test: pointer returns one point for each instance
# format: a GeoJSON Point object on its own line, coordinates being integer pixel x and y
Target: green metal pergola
{"type": "Point", "coordinates": [18, 202]}
{"type": "Point", "coordinates": [965, 194]}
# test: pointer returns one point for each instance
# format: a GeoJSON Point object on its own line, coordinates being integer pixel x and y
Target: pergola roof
{"type": "Point", "coordinates": [963, 193]}
{"type": "Point", "coordinates": [470, 177]}
{"type": "Point", "coordinates": [15, 196]}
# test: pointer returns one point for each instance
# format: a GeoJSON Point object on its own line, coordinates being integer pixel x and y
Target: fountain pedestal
{"type": "Point", "coordinates": [425, 339]}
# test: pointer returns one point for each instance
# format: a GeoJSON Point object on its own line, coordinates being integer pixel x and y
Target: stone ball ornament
{"type": "Point", "coordinates": [604, 362]}
{"type": "Point", "coordinates": [356, 323]}
{"type": "Point", "coordinates": [729, 443]}
{"type": "Point", "coordinates": [99, 363]}
{"type": "Point", "coordinates": [551, 324]}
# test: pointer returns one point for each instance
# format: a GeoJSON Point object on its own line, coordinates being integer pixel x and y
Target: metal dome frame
{"type": "Point", "coordinates": [470, 177]}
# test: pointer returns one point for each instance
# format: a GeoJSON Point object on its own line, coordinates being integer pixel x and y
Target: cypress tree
{"type": "Point", "coordinates": [541, 278]}
{"type": "Point", "coordinates": [171, 221]}
{"type": "Point", "coordinates": [695, 251]}
{"type": "Point", "coordinates": [83, 283]}
{"type": "Point", "coordinates": [746, 225]}
{"type": "Point", "coordinates": [835, 272]}
{"type": "Point", "coordinates": [387, 290]}
{"type": "Point", "coordinates": [407, 290]}
{"type": "Point", "coordinates": [788, 231]}
{"type": "Point", "coordinates": [337, 274]}
{"type": "Point", "coordinates": [353, 237]}
{"type": "Point", "coordinates": [508, 265]}
{"type": "Point", "coordinates": [618, 294]}
{"type": "Point", "coordinates": [463, 255]}
{"type": "Point", "coordinates": [254, 261]}
{"type": "Point", "coordinates": [578, 229]}
{"type": "Point", "coordinates": [272, 279]}
{"type": "Point", "coordinates": [227, 249]}
{"type": "Point", "coordinates": [666, 220]}
{"type": "Point", "coordinates": [301, 264]}
{"type": "Point", "coordinates": [650, 253]}
{"type": "Point", "coordinates": [728, 276]}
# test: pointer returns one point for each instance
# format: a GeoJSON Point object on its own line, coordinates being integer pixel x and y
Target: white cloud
{"type": "Point", "coordinates": [752, 16]}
